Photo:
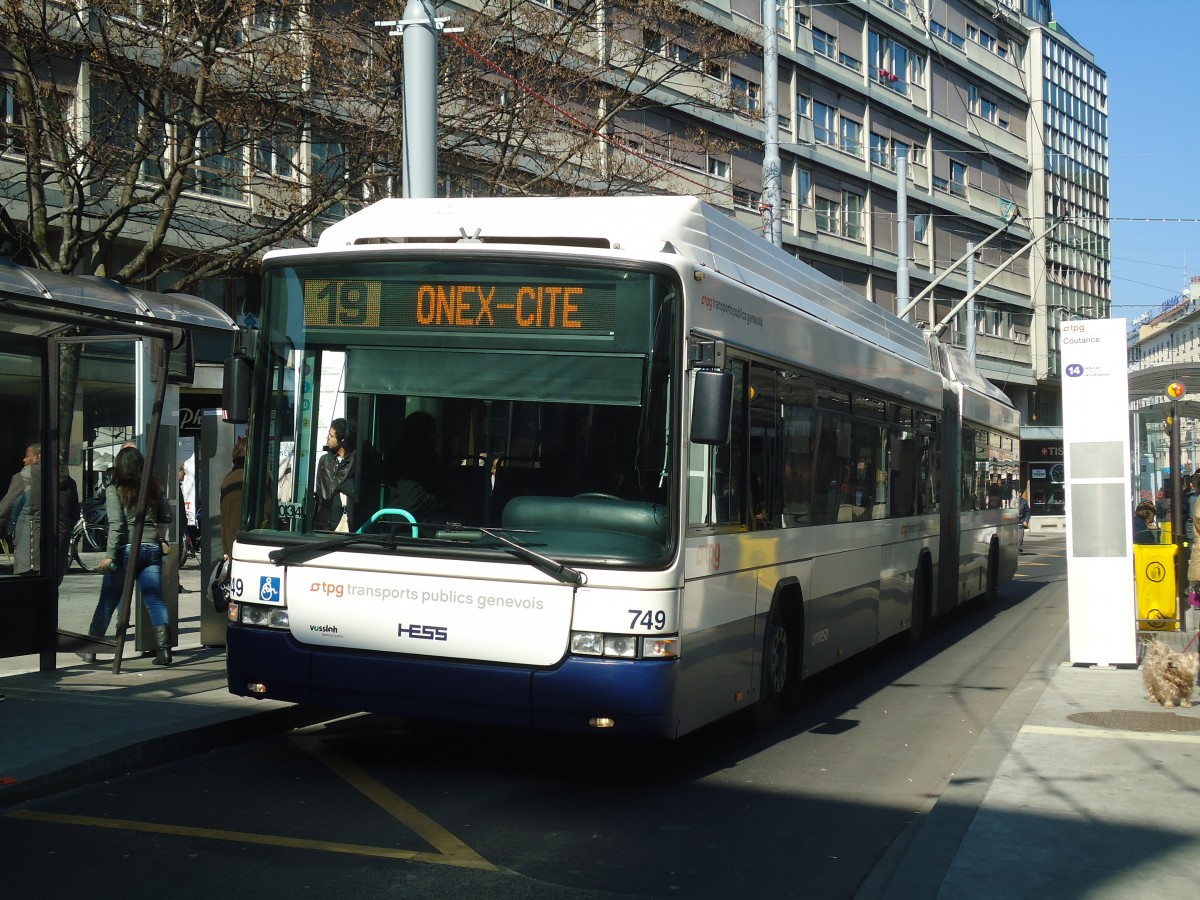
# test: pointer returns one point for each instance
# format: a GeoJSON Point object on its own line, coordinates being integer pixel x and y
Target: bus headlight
{"type": "Point", "coordinates": [587, 643]}
{"type": "Point", "coordinates": [624, 646]}
{"type": "Point", "coordinates": [263, 616]}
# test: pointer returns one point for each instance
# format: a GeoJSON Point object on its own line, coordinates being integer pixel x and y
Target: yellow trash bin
{"type": "Point", "coordinates": [1154, 568]}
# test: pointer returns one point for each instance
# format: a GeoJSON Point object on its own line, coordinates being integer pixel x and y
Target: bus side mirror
{"type": "Point", "coordinates": [235, 394]}
{"type": "Point", "coordinates": [712, 406]}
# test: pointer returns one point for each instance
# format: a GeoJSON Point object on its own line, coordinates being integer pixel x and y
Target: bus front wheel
{"type": "Point", "coordinates": [780, 669]}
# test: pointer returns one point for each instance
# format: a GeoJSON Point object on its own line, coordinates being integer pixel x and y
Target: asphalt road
{"type": "Point", "coordinates": [370, 806]}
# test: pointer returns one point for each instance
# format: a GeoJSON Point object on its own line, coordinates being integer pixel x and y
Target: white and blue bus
{"type": "Point", "coordinates": [618, 463]}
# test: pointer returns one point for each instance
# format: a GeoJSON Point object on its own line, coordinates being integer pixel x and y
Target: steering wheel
{"type": "Point", "coordinates": [391, 511]}
{"type": "Point", "coordinates": [596, 495]}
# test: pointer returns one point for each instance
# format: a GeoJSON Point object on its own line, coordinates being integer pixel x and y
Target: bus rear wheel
{"type": "Point", "coordinates": [920, 606]}
{"type": "Point", "coordinates": [993, 574]}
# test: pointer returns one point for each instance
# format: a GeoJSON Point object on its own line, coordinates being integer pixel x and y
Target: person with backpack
{"type": "Point", "coordinates": [21, 513]}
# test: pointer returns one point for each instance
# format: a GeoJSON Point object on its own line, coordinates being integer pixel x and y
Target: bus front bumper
{"type": "Point", "coordinates": [629, 697]}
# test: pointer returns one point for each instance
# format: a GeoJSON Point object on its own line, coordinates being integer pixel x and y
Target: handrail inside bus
{"type": "Point", "coordinates": [392, 511]}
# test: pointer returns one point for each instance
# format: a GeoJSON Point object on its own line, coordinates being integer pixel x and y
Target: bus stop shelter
{"type": "Point", "coordinates": [83, 361]}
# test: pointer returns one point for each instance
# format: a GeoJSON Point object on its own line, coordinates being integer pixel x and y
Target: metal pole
{"type": "Point", "coordinates": [772, 195]}
{"type": "Point", "coordinates": [139, 522]}
{"type": "Point", "coordinates": [1178, 513]}
{"type": "Point", "coordinates": [420, 100]}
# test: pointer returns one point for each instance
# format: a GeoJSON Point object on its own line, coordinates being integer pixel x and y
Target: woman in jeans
{"type": "Point", "coordinates": [122, 497]}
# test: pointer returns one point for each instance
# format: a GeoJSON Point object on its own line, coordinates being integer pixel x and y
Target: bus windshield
{"type": "Point", "coordinates": [459, 403]}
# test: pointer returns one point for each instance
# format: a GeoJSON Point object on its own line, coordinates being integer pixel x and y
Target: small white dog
{"type": "Point", "coordinates": [1169, 676]}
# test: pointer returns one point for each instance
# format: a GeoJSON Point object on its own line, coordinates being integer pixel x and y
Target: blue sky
{"type": "Point", "coordinates": [1154, 140]}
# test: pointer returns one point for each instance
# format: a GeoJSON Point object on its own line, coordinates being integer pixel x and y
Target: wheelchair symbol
{"type": "Point", "coordinates": [268, 590]}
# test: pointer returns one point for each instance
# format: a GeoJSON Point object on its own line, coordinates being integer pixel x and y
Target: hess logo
{"type": "Point", "coordinates": [423, 632]}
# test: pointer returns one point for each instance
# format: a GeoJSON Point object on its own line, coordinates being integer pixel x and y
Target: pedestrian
{"type": "Point", "coordinates": [121, 498]}
{"type": "Point", "coordinates": [68, 514]}
{"type": "Point", "coordinates": [21, 513]}
{"type": "Point", "coordinates": [231, 497]}
{"type": "Point", "coordinates": [1144, 531]}
{"type": "Point", "coordinates": [1193, 565]}
{"type": "Point", "coordinates": [337, 479]}
{"type": "Point", "coordinates": [1187, 513]}
{"type": "Point", "coordinates": [1022, 520]}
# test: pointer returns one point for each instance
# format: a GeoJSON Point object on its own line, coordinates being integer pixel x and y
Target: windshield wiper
{"type": "Point", "coordinates": [303, 552]}
{"type": "Point", "coordinates": [557, 570]}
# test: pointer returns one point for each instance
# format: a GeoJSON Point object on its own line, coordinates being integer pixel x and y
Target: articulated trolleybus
{"type": "Point", "coordinates": [614, 463]}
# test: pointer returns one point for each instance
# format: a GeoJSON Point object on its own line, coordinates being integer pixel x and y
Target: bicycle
{"type": "Point", "coordinates": [89, 537]}
{"type": "Point", "coordinates": [189, 546]}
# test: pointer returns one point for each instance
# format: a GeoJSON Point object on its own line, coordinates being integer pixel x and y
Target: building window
{"type": "Point", "coordinates": [684, 56]}
{"type": "Point", "coordinates": [718, 168]}
{"type": "Point", "coordinates": [745, 94]}
{"type": "Point", "coordinates": [274, 17]}
{"type": "Point", "coordinates": [220, 169]}
{"type": "Point", "coordinates": [824, 43]}
{"type": "Point", "coordinates": [277, 156]}
{"type": "Point", "coordinates": [804, 197]}
{"type": "Point", "coordinates": [937, 29]}
{"type": "Point", "coordinates": [747, 199]}
{"type": "Point", "coordinates": [958, 178]}
{"type": "Point", "coordinates": [803, 107]}
{"type": "Point", "coordinates": [850, 62]}
{"type": "Point", "coordinates": [890, 62]}
{"type": "Point", "coordinates": [920, 227]}
{"type": "Point", "coordinates": [851, 136]}
{"type": "Point", "coordinates": [852, 209]}
{"type": "Point", "coordinates": [828, 215]}
{"type": "Point", "coordinates": [11, 133]}
{"type": "Point", "coordinates": [879, 151]}
{"type": "Point", "coordinates": [652, 40]}
{"type": "Point", "coordinates": [824, 124]}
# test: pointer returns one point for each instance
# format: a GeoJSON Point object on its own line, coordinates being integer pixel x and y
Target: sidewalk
{"type": "Point", "coordinates": [1079, 787]}
{"type": "Point", "coordinates": [82, 722]}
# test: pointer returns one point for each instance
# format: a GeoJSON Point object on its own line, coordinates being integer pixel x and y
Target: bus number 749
{"type": "Point", "coordinates": [651, 620]}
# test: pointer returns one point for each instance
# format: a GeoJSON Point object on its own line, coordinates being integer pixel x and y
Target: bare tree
{"type": "Point", "coordinates": [162, 136]}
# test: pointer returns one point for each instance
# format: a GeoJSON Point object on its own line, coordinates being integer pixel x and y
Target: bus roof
{"type": "Point", "coordinates": [686, 226]}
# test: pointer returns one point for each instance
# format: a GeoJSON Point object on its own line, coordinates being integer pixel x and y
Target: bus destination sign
{"type": "Point", "coordinates": [585, 308]}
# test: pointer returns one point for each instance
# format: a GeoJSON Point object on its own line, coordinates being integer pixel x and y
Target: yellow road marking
{"type": "Point", "coordinates": [245, 837]}
{"type": "Point", "coordinates": [451, 851]}
{"type": "Point", "coordinates": [398, 808]}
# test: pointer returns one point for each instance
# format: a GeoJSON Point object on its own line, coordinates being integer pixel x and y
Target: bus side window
{"type": "Point", "coordinates": [717, 474]}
